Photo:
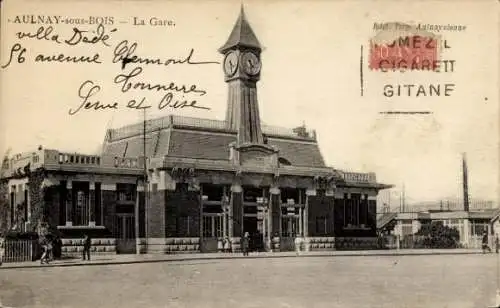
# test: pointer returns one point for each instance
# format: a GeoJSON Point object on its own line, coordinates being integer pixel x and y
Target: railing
{"type": "Point", "coordinates": [19, 250]}
{"type": "Point", "coordinates": [359, 177]}
{"type": "Point", "coordinates": [302, 132]}
{"type": "Point", "coordinates": [79, 159]}
{"type": "Point", "coordinates": [164, 122]}
{"type": "Point", "coordinates": [127, 162]}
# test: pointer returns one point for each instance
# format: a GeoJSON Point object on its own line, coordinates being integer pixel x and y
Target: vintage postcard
{"type": "Point", "coordinates": [249, 153]}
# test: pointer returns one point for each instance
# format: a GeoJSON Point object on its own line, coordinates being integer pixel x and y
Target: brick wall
{"type": "Point", "coordinates": [276, 214]}
{"type": "Point", "coordinates": [182, 205]}
{"type": "Point", "coordinates": [109, 204]}
{"type": "Point", "coordinates": [339, 216]}
{"type": "Point", "coordinates": [237, 203]}
{"type": "Point", "coordinates": [142, 215]}
{"type": "Point", "coordinates": [157, 214]}
{"type": "Point", "coordinates": [372, 216]}
{"type": "Point", "coordinates": [321, 207]}
{"type": "Point", "coordinates": [51, 199]}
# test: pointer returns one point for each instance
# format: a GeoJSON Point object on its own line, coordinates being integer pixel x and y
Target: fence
{"type": "Point", "coordinates": [19, 250]}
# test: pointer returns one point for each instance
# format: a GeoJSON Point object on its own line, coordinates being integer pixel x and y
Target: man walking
{"type": "Point", "coordinates": [486, 247]}
{"type": "Point", "coordinates": [86, 247]}
{"type": "Point", "coordinates": [245, 243]}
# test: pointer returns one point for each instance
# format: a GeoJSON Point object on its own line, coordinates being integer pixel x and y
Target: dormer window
{"type": "Point", "coordinates": [284, 161]}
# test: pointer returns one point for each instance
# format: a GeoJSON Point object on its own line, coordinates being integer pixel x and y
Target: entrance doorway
{"type": "Point", "coordinates": [124, 233]}
{"type": "Point", "coordinates": [212, 232]}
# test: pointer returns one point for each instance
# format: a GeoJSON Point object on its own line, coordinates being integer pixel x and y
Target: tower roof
{"type": "Point", "coordinates": [242, 35]}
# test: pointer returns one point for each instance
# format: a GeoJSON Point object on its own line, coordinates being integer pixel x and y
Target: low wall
{"type": "Point", "coordinates": [319, 243]}
{"type": "Point", "coordinates": [74, 247]}
{"type": "Point", "coordinates": [173, 245]}
{"type": "Point", "coordinates": [356, 243]}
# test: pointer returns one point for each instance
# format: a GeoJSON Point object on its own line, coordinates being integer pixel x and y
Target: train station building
{"type": "Point", "coordinates": [179, 184]}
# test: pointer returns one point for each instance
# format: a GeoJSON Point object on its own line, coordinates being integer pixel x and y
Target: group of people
{"type": "Point", "coordinates": [224, 245]}
{"type": "Point", "coordinates": [52, 249]}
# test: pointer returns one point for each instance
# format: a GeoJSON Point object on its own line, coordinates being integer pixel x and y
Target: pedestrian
{"type": "Point", "coordinates": [220, 245]}
{"type": "Point", "coordinates": [47, 250]}
{"type": "Point", "coordinates": [497, 243]}
{"type": "Point", "coordinates": [86, 247]}
{"type": "Point", "coordinates": [485, 245]}
{"type": "Point", "coordinates": [245, 244]}
{"type": "Point", "coordinates": [297, 243]}
{"type": "Point", "coordinates": [226, 245]}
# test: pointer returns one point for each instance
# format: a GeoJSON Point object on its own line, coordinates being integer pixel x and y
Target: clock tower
{"type": "Point", "coordinates": [242, 67]}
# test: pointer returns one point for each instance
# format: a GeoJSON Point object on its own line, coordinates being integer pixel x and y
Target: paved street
{"type": "Point", "coordinates": [361, 281]}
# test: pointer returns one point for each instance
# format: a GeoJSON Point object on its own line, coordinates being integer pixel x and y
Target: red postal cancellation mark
{"type": "Point", "coordinates": [393, 50]}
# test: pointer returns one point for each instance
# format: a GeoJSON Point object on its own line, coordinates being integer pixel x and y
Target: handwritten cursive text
{"type": "Point", "coordinates": [125, 80]}
{"type": "Point", "coordinates": [125, 54]}
{"type": "Point", "coordinates": [86, 91]}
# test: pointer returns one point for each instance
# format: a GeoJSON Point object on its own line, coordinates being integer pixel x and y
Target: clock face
{"type": "Point", "coordinates": [251, 63]}
{"type": "Point", "coordinates": [230, 63]}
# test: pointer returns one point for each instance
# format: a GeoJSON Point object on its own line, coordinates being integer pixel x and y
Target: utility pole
{"type": "Point", "coordinates": [402, 199]}
{"type": "Point", "coordinates": [465, 182]}
{"type": "Point", "coordinates": [144, 184]}
{"type": "Point", "coordinates": [145, 180]}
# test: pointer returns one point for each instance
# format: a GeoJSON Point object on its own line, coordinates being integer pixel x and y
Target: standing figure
{"type": "Point", "coordinates": [220, 245]}
{"type": "Point", "coordinates": [245, 243]}
{"type": "Point", "coordinates": [497, 243]}
{"type": "Point", "coordinates": [86, 247]}
{"type": "Point", "coordinates": [485, 245]}
{"type": "Point", "coordinates": [227, 244]}
{"type": "Point", "coordinates": [47, 250]}
{"type": "Point", "coordinates": [298, 243]}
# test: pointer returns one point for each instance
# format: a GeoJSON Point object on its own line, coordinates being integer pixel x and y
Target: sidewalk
{"type": "Point", "coordinates": [152, 258]}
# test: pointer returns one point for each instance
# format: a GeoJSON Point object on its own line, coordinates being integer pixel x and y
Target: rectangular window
{"type": "Point", "coordinates": [62, 203]}
{"type": "Point", "coordinates": [125, 192]}
{"type": "Point", "coordinates": [81, 203]}
{"type": "Point", "coordinates": [82, 209]}
{"type": "Point", "coordinates": [289, 226]}
{"type": "Point", "coordinates": [363, 211]}
{"type": "Point", "coordinates": [98, 205]}
{"type": "Point", "coordinates": [12, 205]}
{"type": "Point", "coordinates": [212, 226]}
{"type": "Point", "coordinates": [250, 194]}
{"type": "Point", "coordinates": [26, 205]}
{"type": "Point", "coordinates": [356, 200]}
{"type": "Point", "coordinates": [290, 195]}
{"type": "Point", "coordinates": [213, 192]}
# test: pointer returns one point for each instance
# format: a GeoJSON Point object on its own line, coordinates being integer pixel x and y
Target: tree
{"type": "Point", "coordinates": [437, 235]}
{"type": "Point", "coordinates": [4, 207]}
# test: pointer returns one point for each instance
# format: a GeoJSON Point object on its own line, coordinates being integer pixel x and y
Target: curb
{"type": "Point", "coordinates": [180, 259]}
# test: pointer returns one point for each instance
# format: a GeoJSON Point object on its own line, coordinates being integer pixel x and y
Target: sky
{"type": "Point", "coordinates": [310, 74]}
